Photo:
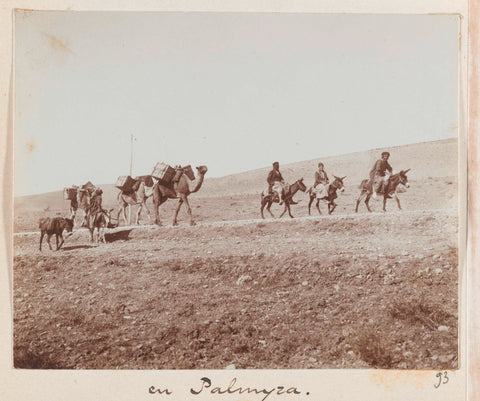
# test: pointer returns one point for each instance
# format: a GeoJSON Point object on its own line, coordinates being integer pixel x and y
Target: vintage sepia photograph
{"type": "Point", "coordinates": [226, 190]}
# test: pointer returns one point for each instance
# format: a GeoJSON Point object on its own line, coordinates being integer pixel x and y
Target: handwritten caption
{"type": "Point", "coordinates": [206, 386]}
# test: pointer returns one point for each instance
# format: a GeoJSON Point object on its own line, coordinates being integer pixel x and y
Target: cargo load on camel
{"type": "Point", "coordinates": [164, 173]}
{"type": "Point", "coordinates": [146, 179]}
{"type": "Point", "coordinates": [125, 183]}
{"type": "Point", "coordinates": [70, 193]}
{"type": "Point", "coordinates": [89, 187]}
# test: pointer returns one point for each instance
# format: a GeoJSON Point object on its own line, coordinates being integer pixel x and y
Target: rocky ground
{"type": "Point", "coordinates": [352, 291]}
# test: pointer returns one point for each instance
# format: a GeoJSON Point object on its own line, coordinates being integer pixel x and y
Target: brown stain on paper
{"type": "Point", "coordinates": [30, 145]}
{"type": "Point", "coordinates": [59, 45]}
{"type": "Point", "coordinates": [392, 378]}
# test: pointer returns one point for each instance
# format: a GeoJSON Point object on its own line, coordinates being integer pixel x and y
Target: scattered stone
{"type": "Point", "coordinates": [444, 359]}
{"type": "Point", "coordinates": [311, 359]}
{"type": "Point", "coordinates": [230, 367]}
{"type": "Point", "coordinates": [435, 257]}
{"type": "Point", "coordinates": [438, 271]}
{"type": "Point", "coordinates": [305, 283]}
{"type": "Point", "coordinates": [351, 353]}
{"type": "Point", "coordinates": [40, 264]}
{"type": "Point", "coordinates": [243, 279]}
{"type": "Point", "coordinates": [336, 287]}
{"type": "Point", "coordinates": [443, 328]}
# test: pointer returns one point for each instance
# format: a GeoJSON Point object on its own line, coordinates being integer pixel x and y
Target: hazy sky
{"type": "Point", "coordinates": [234, 91]}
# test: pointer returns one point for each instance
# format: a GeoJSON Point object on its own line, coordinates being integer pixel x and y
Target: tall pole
{"type": "Point", "coordinates": [131, 153]}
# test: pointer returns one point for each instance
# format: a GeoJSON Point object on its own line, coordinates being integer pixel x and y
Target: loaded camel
{"type": "Point", "coordinates": [177, 190]}
{"type": "Point", "coordinates": [82, 201]}
{"type": "Point", "coordinates": [287, 195]}
{"type": "Point", "coordinates": [141, 191]}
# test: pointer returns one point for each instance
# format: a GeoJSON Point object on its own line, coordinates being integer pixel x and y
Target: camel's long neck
{"type": "Point", "coordinates": [198, 184]}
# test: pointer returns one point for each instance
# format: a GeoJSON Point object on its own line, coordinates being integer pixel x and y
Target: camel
{"type": "Point", "coordinates": [178, 190]}
{"type": "Point", "coordinates": [82, 201]}
{"type": "Point", "coordinates": [138, 197]}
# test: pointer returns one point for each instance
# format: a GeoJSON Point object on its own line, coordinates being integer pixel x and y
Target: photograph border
{"type": "Point", "coordinates": [320, 384]}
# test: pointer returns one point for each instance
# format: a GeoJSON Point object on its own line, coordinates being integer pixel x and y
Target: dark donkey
{"type": "Point", "coordinates": [366, 187]}
{"type": "Point", "coordinates": [332, 188]}
{"type": "Point", "coordinates": [54, 225]}
{"type": "Point", "coordinates": [287, 198]}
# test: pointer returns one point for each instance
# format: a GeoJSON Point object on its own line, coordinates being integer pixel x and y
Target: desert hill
{"type": "Point", "coordinates": [427, 159]}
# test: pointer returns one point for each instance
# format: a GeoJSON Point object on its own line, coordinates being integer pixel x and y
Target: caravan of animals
{"type": "Point", "coordinates": [230, 286]}
{"type": "Point", "coordinates": [166, 183]}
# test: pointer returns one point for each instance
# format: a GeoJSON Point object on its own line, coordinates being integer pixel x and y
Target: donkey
{"type": "Point", "coordinates": [269, 199]}
{"type": "Point", "coordinates": [100, 221]}
{"type": "Point", "coordinates": [54, 226]}
{"type": "Point", "coordinates": [395, 179]}
{"type": "Point", "coordinates": [331, 195]}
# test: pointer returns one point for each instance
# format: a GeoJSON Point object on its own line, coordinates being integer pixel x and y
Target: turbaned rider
{"type": "Point", "coordinates": [378, 176]}
{"type": "Point", "coordinates": [276, 182]}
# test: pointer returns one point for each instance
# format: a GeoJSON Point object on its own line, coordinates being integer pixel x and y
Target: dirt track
{"type": "Point", "coordinates": [349, 291]}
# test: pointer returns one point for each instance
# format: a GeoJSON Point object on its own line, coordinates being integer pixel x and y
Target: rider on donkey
{"type": "Point", "coordinates": [321, 176]}
{"type": "Point", "coordinates": [95, 206]}
{"type": "Point", "coordinates": [277, 184]}
{"type": "Point", "coordinates": [378, 177]}
{"type": "Point", "coordinates": [275, 181]}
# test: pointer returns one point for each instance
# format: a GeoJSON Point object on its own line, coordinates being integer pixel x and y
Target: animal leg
{"type": "Point", "coordinates": [360, 198]}
{"type": "Point", "coordinates": [179, 205]}
{"type": "Point", "coordinates": [310, 203]}
{"type": "Point", "coordinates": [61, 242]}
{"type": "Point", "coordinates": [398, 200]}
{"type": "Point", "coordinates": [318, 206]}
{"type": "Point", "coordinates": [384, 202]}
{"type": "Point", "coordinates": [48, 240]}
{"type": "Point", "coordinates": [262, 206]}
{"type": "Point", "coordinates": [284, 211]}
{"type": "Point", "coordinates": [189, 211]}
{"type": "Point", "coordinates": [366, 202]}
{"type": "Point", "coordinates": [138, 213]}
{"type": "Point", "coordinates": [144, 203]}
{"type": "Point", "coordinates": [288, 207]}
{"type": "Point", "coordinates": [157, 201]}
{"type": "Point", "coordinates": [41, 238]}
{"type": "Point", "coordinates": [269, 205]}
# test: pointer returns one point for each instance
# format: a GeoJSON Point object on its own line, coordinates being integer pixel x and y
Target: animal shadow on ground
{"type": "Point", "coordinates": [72, 247]}
{"type": "Point", "coordinates": [118, 236]}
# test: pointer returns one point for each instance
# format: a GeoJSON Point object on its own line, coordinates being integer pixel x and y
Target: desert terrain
{"type": "Point", "coordinates": [345, 290]}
